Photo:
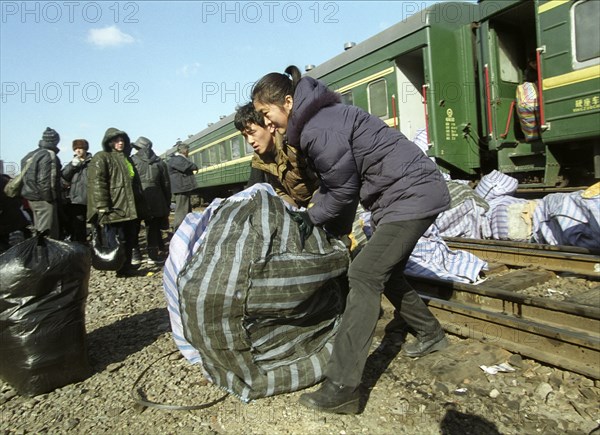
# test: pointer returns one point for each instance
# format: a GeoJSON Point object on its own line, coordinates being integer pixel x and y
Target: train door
{"type": "Point", "coordinates": [441, 75]}
{"type": "Point", "coordinates": [412, 114]}
{"type": "Point", "coordinates": [507, 42]}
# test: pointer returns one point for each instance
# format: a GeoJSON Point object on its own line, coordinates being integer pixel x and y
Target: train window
{"type": "Point", "coordinates": [225, 150]}
{"type": "Point", "coordinates": [213, 155]}
{"type": "Point", "coordinates": [507, 50]}
{"type": "Point", "coordinates": [235, 147]}
{"type": "Point", "coordinates": [249, 149]}
{"type": "Point", "coordinates": [377, 92]}
{"type": "Point", "coordinates": [585, 16]}
{"type": "Point", "coordinates": [347, 98]}
{"type": "Point", "coordinates": [205, 158]}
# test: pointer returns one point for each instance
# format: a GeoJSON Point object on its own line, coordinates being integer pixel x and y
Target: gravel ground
{"type": "Point", "coordinates": [447, 392]}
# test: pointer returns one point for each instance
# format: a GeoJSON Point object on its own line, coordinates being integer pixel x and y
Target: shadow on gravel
{"type": "Point", "coordinates": [378, 362]}
{"type": "Point", "coordinates": [115, 342]}
{"type": "Point", "coordinates": [459, 423]}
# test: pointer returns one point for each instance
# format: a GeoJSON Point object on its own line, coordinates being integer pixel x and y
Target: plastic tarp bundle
{"type": "Point", "coordinates": [261, 312]}
{"type": "Point", "coordinates": [569, 219]}
{"type": "Point", "coordinates": [43, 291]}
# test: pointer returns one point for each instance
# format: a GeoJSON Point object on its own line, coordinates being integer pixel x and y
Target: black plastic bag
{"type": "Point", "coordinates": [108, 252]}
{"type": "Point", "coordinates": [43, 290]}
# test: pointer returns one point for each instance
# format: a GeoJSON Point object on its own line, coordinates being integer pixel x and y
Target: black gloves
{"type": "Point", "coordinates": [305, 225]}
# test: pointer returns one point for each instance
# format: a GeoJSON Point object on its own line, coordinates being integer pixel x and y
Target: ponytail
{"type": "Point", "coordinates": [274, 87]}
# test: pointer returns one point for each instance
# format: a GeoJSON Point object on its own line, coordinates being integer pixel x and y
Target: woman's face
{"type": "Point", "coordinates": [118, 144]}
{"type": "Point", "coordinates": [277, 115]}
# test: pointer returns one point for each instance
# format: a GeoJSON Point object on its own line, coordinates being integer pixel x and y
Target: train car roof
{"type": "Point", "coordinates": [228, 119]}
{"type": "Point", "coordinates": [435, 14]}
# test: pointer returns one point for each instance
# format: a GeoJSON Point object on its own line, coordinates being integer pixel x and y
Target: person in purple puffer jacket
{"type": "Point", "coordinates": [358, 157]}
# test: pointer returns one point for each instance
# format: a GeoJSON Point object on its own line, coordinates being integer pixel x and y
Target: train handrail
{"type": "Point", "coordinates": [508, 119]}
{"type": "Point", "coordinates": [394, 111]}
{"type": "Point", "coordinates": [538, 61]}
{"type": "Point", "coordinates": [488, 101]}
{"type": "Point", "coordinates": [424, 90]}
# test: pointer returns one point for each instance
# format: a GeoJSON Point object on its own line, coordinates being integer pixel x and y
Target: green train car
{"type": "Point", "coordinates": [451, 72]}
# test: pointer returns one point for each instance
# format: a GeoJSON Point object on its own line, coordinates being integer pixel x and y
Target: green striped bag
{"type": "Point", "coordinates": [261, 312]}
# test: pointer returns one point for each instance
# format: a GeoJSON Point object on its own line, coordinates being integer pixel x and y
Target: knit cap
{"type": "Point", "coordinates": [50, 137]}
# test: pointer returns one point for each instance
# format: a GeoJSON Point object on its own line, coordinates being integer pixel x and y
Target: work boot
{"type": "Point", "coordinates": [337, 399]}
{"type": "Point", "coordinates": [426, 346]}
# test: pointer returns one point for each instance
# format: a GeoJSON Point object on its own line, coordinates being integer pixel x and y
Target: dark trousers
{"type": "Point", "coordinates": [377, 268]}
{"type": "Point", "coordinates": [76, 215]}
{"type": "Point", "coordinates": [45, 217]}
{"type": "Point", "coordinates": [154, 241]}
{"type": "Point", "coordinates": [127, 235]}
{"type": "Point", "coordinates": [183, 206]}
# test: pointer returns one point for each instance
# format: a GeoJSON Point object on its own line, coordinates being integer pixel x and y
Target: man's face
{"type": "Point", "coordinates": [259, 138]}
{"type": "Point", "coordinates": [80, 152]}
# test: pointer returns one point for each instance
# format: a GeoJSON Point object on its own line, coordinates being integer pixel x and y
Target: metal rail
{"type": "Point", "coordinates": [558, 333]}
{"type": "Point", "coordinates": [555, 258]}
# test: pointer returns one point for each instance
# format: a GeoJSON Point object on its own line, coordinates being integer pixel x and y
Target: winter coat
{"type": "Point", "coordinates": [181, 173]}
{"type": "Point", "coordinates": [114, 184]}
{"type": "Point", "coordinates": [288, 172]}
{"type": "Point", "coordinates": [77, 177]}
{"type": "Point", "coordinates": [41, 182]}
{"type": "Point", "coordinates": [358, 155]}
{"type": "Point", "coordinates": [155, 182]}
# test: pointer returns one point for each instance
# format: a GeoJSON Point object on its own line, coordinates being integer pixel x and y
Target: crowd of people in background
{"type": "Point", "coordinates": [112, 187]}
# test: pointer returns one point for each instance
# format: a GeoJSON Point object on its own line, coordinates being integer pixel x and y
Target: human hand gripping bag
{"type": "Point", "coordinates": [43, 290]}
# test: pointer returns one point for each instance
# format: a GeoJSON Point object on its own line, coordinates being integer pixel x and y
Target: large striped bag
{"type": "Point", "coordinates": [261, 312]}
{"type": "Point", "coordinates": [527, 110]}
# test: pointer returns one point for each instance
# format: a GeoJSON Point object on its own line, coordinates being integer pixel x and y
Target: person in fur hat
{"type": "Point", "coordinates": [75, 173]}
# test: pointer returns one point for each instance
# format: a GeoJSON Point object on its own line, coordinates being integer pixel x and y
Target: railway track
{"type": "Point", "coordinates": [556, 258]}
{"type": "Point", "coordinates": [560, 333]}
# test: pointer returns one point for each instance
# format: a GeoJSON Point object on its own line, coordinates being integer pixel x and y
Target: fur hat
{"type": "Point", "coordinates": [81, 143]}
{"type": "Point", "coordinates": [50, 137]}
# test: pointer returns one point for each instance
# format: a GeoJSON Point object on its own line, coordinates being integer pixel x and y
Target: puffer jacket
{"type": "Point", "coordinates": [181, 173]}
{"type": "Point", "coordinates": [41, 182]}
{"type": "Point", "coordinates": [288, 172]}
{"type": "Point", "coordinates": [114, 184]}
{"type": "Point", "coordinates": [155, 182]}
{"type": "Point", "coordinates": [77, 177]}
{"type": "Point", "coordinates": [358, 155]}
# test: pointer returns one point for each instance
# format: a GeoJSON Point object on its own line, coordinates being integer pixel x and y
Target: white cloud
{"type": "Point", "coordinates": [109, 36]}
{"type": "Point", "coordinates": [189, 70]}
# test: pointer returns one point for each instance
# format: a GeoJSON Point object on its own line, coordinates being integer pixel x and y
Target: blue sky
{"type": "Point", "coordinates": [157, 69]}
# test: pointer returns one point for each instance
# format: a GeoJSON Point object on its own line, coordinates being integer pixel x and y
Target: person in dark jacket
{"type": "Point", "coordinates": [283, 166]}
{"type": "Point", "coordinates": [183, 182]}
{"type": "Point", "coordinates": [358, 156]}
{"type": "Point", "coordinates": [115, 192]}
{"type": "Point", "coordinates": [41, 184]}
{"type": "Point", "coordinates": [157, 194]}
{"type": "Point", "coordinates": [75, 173]}
{"type": "Point", "coordinates": [13, 219]}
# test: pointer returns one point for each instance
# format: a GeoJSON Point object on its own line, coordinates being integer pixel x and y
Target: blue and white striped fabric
{"type": "Point", "coordinates": [496, 222]}
{"type": "Point", "coordinates": [183, 245]}
{"type": "Point", "coordinates": [568, 219]}
{"type": "Point", "coordinates": [465, 220]}
{"type": "Point", "coordinates": [496, 184]}
{"type": "Point", "coordinates": [432, 258]}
